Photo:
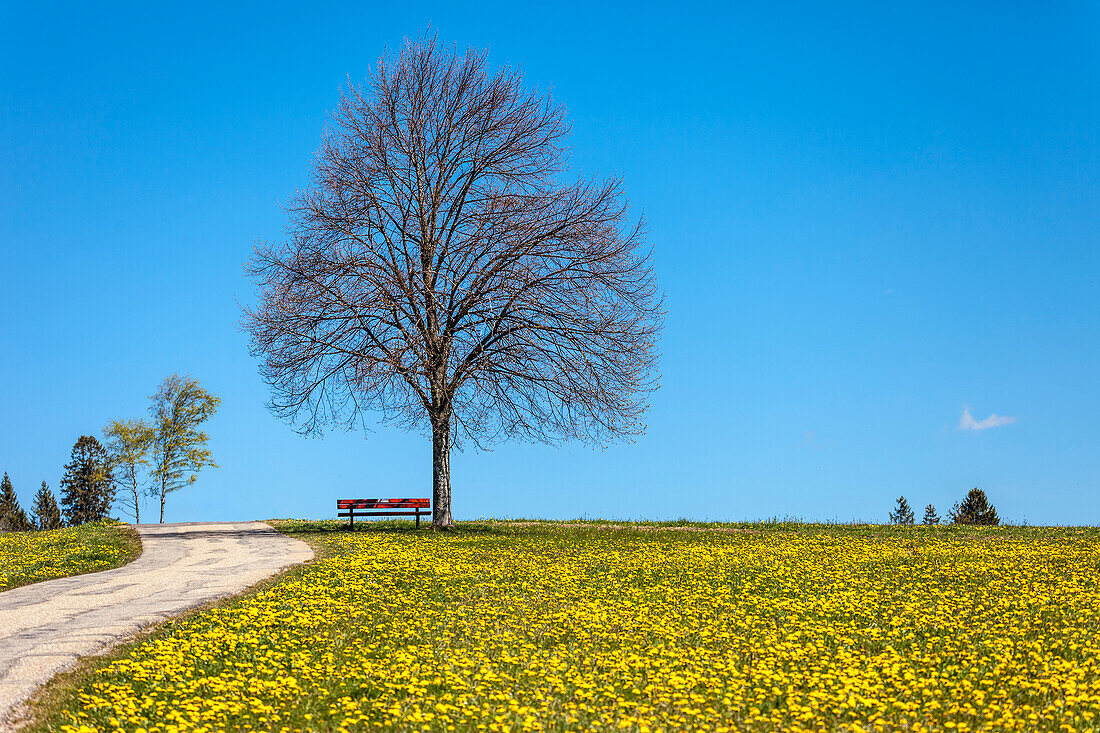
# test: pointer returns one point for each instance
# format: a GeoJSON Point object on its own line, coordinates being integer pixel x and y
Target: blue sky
{"type": "Point", "coordinates": [866, 219]}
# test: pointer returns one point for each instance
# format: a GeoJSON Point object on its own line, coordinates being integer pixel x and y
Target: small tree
{"type": "Point", "coordinates": [902, 514]}
{"type": "Point", "coordinates": [128, 443]}
{"type": "Point", "coordinates": [974, 509]}
{"type": "Point", "coordinates": [11, 513]}
{"type": "Point", "coordinates": [87, 488]}
{"type": "Point", "coordinates": [178, 447]}
{"type": "Point", "coordinates": [46, 512]}
{"type": "Point", "coordinates": [930, 516]}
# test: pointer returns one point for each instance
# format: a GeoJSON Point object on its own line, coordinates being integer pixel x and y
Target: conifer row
{"type": "Point", "coordinates": [87, 492]}
{"type": "Point", "coordinates": [973, 509]}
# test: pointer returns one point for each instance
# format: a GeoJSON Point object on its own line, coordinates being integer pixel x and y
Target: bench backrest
{"type": "Point", "coordinates": [343, 504]}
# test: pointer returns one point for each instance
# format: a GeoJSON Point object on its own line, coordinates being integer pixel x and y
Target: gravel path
{"type": "Point", "coordinates": [46, 627]}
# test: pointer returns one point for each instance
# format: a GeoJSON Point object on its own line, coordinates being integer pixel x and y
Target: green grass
{"type": "Point", "coordinates": [30, 557]}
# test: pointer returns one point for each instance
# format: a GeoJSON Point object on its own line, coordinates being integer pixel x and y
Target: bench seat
{"type": "Point", "coordinates": [352, 508]}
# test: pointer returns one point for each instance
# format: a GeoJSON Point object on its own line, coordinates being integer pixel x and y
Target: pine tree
{"type": "Point", "coordinates": [902, 514]}
{"type": "Point", "coordinates": [974, 509]}
{"type": "Point", "coordinates": [46, 511]}
{"type": "Point", "coordinates": [930, 516]}
{"type": "Point", "coordinates": [87, 488]}
{"type": "Point", "coordinates": [11, 514]}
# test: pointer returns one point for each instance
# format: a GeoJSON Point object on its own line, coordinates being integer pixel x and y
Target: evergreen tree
{"type": "Point", "coordinates": [902, 514]}
{"type": "Point", "coordinates": [930, 516]}
{"type": "Point", "coordinates": [46, 511]}
{"type": "Point", "coordinates": [974, 509]}
{"type": "Point", "coordinates": [11, 514]}
{"type": "Point", "coordinates": [7, 498]}
{"type": "Point", "coordinates": [87, 488]}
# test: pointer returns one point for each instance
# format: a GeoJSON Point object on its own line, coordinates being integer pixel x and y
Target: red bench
{"type": "Point", "coordinates": [352, 508]}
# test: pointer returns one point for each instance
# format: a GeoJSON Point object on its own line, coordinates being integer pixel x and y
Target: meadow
{"type": "Point", "coordinates": [28, 557]}
{"type": "Point", "coordinates": [564, 627]}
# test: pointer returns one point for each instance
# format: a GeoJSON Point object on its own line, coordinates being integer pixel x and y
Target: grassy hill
{"type": "Point", "coordinates": [518, 626]}
{"type": "Point", "coordinates": [28, 557]}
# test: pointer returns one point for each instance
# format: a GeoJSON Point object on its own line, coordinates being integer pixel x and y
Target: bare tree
{"type": "Point", "coordinates": [440, 271]}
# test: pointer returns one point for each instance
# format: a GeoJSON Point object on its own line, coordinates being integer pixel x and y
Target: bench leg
{"type": "Point", "coordinates": [418, 520]}
{"type": "Point", "coordinates": [351, 519]}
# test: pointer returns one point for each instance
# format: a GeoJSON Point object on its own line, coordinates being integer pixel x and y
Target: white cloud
{"type": "Point", "coordinates": [967, 421]}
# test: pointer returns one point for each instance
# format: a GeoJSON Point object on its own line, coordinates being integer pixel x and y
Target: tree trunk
{"type": "Point", "coordinates": [441, 474]}
{"type": "Point", "coordinates": [162, 505]}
